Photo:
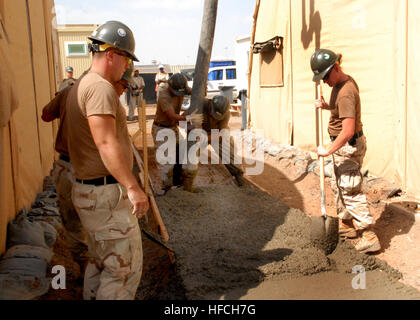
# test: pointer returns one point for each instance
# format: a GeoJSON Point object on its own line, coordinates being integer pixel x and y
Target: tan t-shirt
{"type": "Point", "coordinates": [344, 103]}
{"type": "Point", "coordinates": [165, 102]}
{"type": "Point", "coordinates": [93, 95]}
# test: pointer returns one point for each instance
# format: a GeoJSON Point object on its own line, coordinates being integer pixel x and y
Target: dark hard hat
{"type": "Point", "coordinates": [219, 107]}
{"type": "Point", "coordinates": [178, 83]}
{"type": "Point", "coordinates": [69, 69]}
{"type": "Point", "coordinates": [321, 62]}
{"type": "Point", "coordinates": [116, 34]}
{"type": "Point", "coordinates": [128, 75]}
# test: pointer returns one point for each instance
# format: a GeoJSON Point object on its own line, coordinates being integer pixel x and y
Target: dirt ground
{"type": "Point", "coordinates": [253, 243]}
{"type": "Point", "coordinates": [397, 264]}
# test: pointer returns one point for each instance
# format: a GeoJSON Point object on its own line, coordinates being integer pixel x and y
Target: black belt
{"type": "Point", "coordinates": [162, 125]}
{"type": "Point", "coordinates": [99, 181]}
{"type": "Point", "coordinates": [64, 158]}
{"type": "Point", "coordinates": [352, 141]}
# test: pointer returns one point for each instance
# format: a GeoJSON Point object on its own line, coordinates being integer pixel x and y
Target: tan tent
{"type": "Point", "coordinates": [28, 79]}
{"type": "Point", "coordinates": [378, 43]}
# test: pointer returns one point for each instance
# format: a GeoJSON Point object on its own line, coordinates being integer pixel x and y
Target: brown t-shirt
{"type": "Point", "coordinates": [211, 123]}
{"type": "Point", "coordinates": [165, 102]}
{"type": "Point", "coordinates": [344, 103]}
{"type": "Point", "coordinates": [56, 108]}
{"type": "Point", "coordinates": [93, 95]}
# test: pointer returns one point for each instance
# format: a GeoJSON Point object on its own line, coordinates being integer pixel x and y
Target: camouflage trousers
{"type": "Point", "coordinates": [166, 170]}
{"type": "Point", "coordinates": [62, 174]}
{"type": "Point", "coordinates": [114, 239]}
{"type": "Point", "coordinates": [347, 184]}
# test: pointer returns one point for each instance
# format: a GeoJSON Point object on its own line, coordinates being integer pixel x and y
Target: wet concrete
{"type": "Point", "coordinates": [238, 243]}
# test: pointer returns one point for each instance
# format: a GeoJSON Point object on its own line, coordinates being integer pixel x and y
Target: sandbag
{"type": "Point", "coordinates": [22, 231]}
{"type": "Point", "coordinates": [25, 251]}
{"type": "Point", "coordinates": [34, 267]}
{"type": "Point", "coordinates": [18, 287]}
{"type": "Point", "coordinates": [50, 233]}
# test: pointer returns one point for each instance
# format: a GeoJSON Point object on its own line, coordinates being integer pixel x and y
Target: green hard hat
{"type": "Point", "coordinates": [178, 83]}
{"type": "Point", "coordinates": [116, 34]}
{"type": "Point", "coordinates": [128, 75]}
{"type": "Point", "coordinates": [321, 62]}
{"type": "Point", "coordinates": [219, 107]}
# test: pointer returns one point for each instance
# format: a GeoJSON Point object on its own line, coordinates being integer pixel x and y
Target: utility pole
{"type": "Point", "coordinates": [203, 57]}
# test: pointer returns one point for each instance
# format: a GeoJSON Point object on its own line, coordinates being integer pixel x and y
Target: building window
{"type": "Point", "coordinates": [230, 74]}
{"type": "Point", "coordinates": [216, 75]}
{"type": "Point", "coordinates": [76, 48]}
{"type": "Point", "coordinates": [271, 62]}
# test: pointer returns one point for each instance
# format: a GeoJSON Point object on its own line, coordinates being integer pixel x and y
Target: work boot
{"type": "Point", "coordinates": [346, 229]}
{"type": "Point", "coordinates": [188, 183]}
{"type": "Point", "coordinates": [369, 242]}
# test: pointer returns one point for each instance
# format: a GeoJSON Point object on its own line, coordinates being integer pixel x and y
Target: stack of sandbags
{"type": "Point", "coordinates": [30, 237]}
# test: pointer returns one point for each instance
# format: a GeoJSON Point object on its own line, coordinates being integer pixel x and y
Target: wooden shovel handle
{"type": "Point", "coordinates": [321, 159]}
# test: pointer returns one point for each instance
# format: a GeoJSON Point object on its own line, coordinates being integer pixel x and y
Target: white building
{"type": "Point", "coordinates": [242, 49]}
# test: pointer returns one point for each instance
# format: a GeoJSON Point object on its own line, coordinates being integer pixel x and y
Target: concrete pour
{"type": "Point", "coordinates": [242, 243]}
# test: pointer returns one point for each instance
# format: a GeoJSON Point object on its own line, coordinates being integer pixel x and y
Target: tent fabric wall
{"type": "Point", "coordinates": [413, 98]}
{"type": "Point", "coordinates": [42, 81]}
{"type": "Point", "coordinates": [7, 188]}
{"type": "Point", "coordinates": [377, 40]}
{"type": "Point", "coordinates": [272, 102]}
{"type": "Point", "coordinates": [26, 143]}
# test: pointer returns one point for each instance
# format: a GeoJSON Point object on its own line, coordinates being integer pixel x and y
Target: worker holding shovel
{"type": "Point", "coordinates": [348, 148]}
{"type": "Point", "coordinates": [167, 118]}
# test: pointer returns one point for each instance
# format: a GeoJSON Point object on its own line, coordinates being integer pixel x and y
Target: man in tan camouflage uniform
{"type": "Point", "coordinates": [106, 194]}
{"type": "Point", "coordinates": [348, 149]}
{"type": "Point", "coordinates": [216, 116]}
{"type": "Point", "coordinates": [167, 116]}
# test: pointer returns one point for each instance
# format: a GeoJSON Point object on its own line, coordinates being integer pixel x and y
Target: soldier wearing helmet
{"type": "Point", "coordinates": [216, 115]}
{"type": "Point", "coordinates": [348, 148]}
{"type": "Point", "coordinates": [69, 81]}
{"type": "Point", "coordinates": [167, 116]}
{"type": "Point", "coordinates": [106, 195]}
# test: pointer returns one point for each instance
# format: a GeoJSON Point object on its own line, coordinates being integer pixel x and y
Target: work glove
{"type": "Point", "coordinates": [322, 152]}
{"type": "Point", "coordinates": [320, 103]}
{"type": "Point", "coordinates": [195, 118]}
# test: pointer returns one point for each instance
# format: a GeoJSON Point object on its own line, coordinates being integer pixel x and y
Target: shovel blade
{"type": "Point", "coordinates": [324, 233]}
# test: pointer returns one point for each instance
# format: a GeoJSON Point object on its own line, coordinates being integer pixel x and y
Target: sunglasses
{"type": "Point", "coordinates": [328, 74]}
{"type": "Point", "coordinates": [125, 55]}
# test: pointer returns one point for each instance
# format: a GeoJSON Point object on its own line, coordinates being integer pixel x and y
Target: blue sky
{"type": "Point", "coordinates": [165, 30]}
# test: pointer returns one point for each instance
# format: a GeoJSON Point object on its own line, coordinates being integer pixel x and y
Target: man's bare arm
{"type": "Point", "coordinates": [103, 129]}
